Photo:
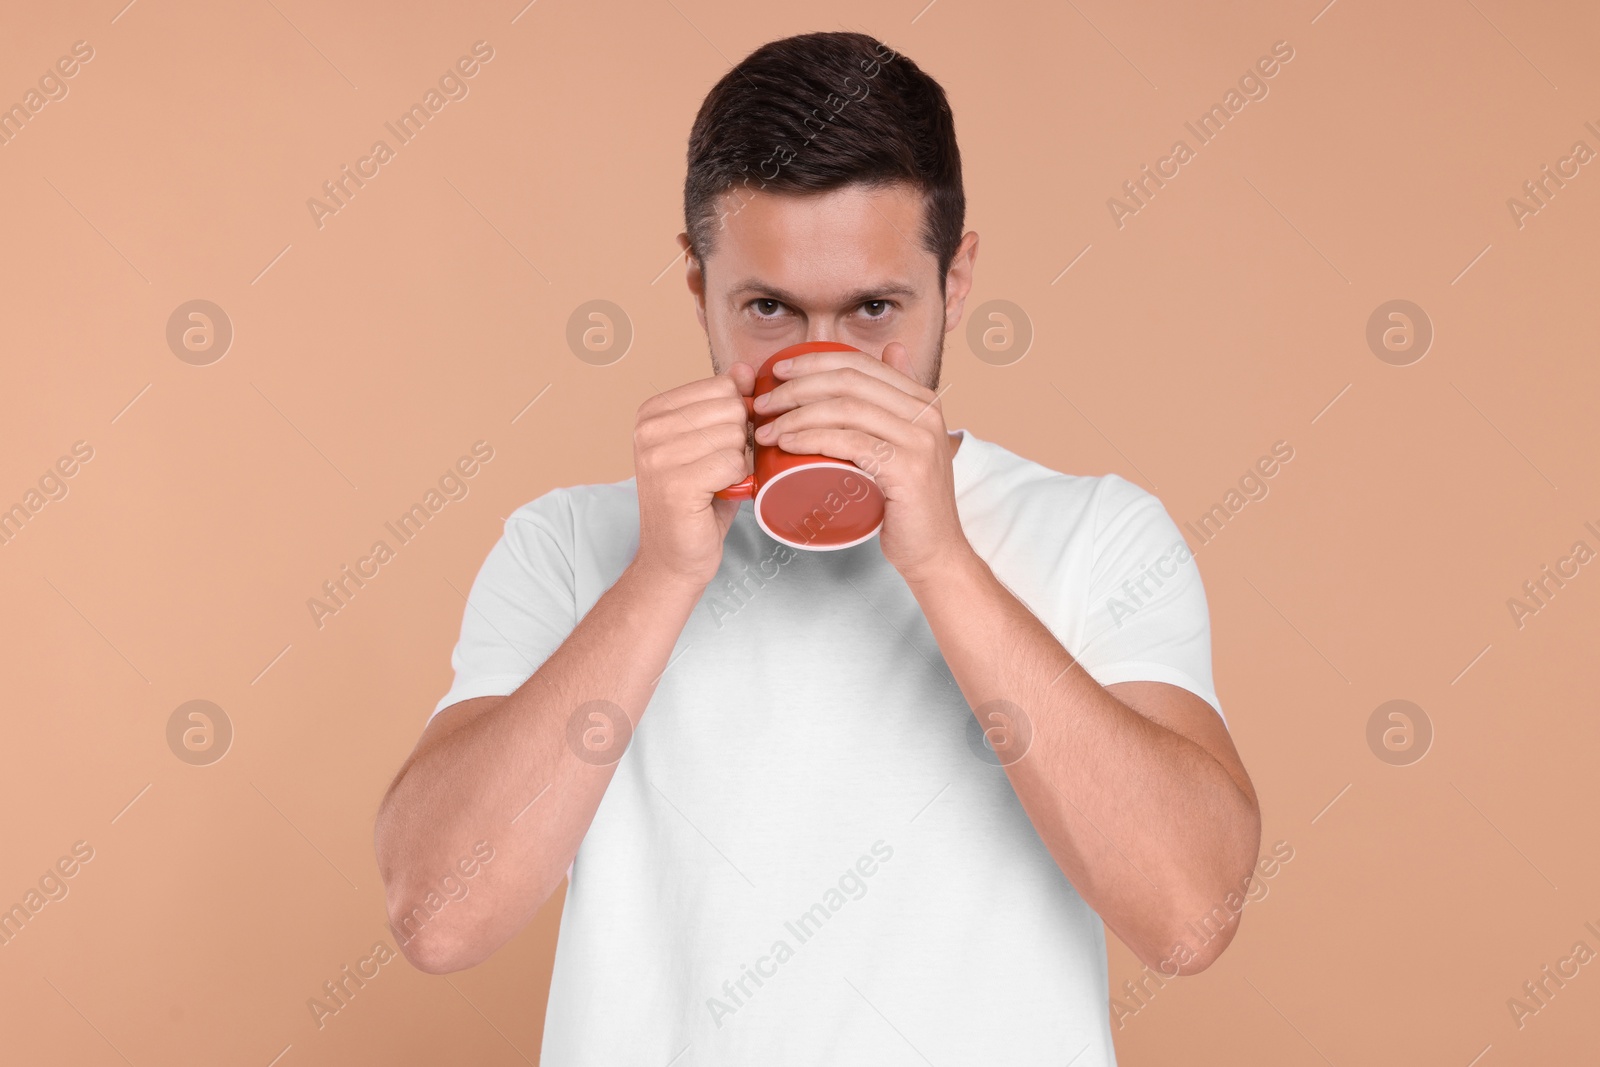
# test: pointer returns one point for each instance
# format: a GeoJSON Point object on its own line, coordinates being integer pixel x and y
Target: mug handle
{"type": "Point", "coordinates": [740, 490]}
{"type": "Point", "coordinates": [745, 488]}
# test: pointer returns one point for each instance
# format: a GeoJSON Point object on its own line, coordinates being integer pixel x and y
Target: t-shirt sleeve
{"type": "Point", "coordinates": [522, 605]}
{"type": "Point", "coordinates": [1146, 614]}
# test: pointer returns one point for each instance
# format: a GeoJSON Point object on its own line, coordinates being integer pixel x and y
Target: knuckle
{"type": "Point", "coordinates": [646, 432]}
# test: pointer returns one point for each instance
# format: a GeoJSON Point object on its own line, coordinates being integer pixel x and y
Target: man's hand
{"type": "Point", "coordinates": [870, 412]}
{"type": "Point", "coordinates": [688, 443]}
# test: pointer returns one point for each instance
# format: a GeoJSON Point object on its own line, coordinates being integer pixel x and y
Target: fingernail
{"type": "Point", "coordinates": [782, 366]}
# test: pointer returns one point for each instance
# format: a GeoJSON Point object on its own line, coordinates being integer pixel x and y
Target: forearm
{"type": "Point", "coordinates": [507, 774]}
{"type": "Point", "coordinates": [1149, 827]}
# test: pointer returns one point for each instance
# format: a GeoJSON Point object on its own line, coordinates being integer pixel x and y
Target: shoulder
{"type": "Point", "coordinates": [1080, 528]}
{"type": "Point", "coordinates": [574, 516]}
{"type": "Point", "coordinates": [1002, 474]}
{"type": "Point", "coordinates": [1089, 505]}
{"type": "Point", "coordinates": [1123, 509]}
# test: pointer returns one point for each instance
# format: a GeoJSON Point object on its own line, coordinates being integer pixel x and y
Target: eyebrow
{"type": "Point", "coordinates": [857, 296]}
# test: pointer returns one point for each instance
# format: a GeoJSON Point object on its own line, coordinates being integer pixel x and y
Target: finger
{"type": "Point", "coordinates": [676, 449]}
{"type": "Point", "coordinates": [718, 385]}
{"type": "Point", "coordinates": [817, 362]}
{"type": "Point", "coordinates": [675, 418]}
{"type": "Point", "coordinates": [847, 413]}
{"type": "Point", "coordinates": [679, 437]}
{"type": "Point", "coordinates": [851, 381]}
{"type": "Point", "coordinates": [853, 446]}
{"type": "Point", "coordinates": [898, 356]}
{"type": "Point", "coordinates": [711, 461]}
{"type": "Point", "coordinates": [744, 376]}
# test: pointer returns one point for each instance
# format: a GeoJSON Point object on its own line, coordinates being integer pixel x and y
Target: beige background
{"type": "Point", "coordinates": [369, 354]}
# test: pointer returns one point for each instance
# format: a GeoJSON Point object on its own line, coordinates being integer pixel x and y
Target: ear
{"type": "Point", "coordinates": [695, 277]}
{"type": "Point", "coordinates": [958, 280]}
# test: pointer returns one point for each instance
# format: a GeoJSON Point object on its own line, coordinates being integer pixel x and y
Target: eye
{"type": "Point", "coordinates": [766, 308]}
{"type": "Point", "coordinates": [876, 309]}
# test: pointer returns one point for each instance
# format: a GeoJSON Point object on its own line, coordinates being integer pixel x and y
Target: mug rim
{"type": "Point", "coordinates": [835, 465]}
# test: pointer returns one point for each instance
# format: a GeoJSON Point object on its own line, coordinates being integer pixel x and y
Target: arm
{"type": "Point", "coordinates": [506, 770]}
{"type": "Point", "coordinates": [499, 769]}
{"type": "Point", "coordinates": [1135, 788]}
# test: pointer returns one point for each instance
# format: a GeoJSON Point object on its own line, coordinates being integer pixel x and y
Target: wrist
{"type": "Point", "coordinates": [661, 579]}
{"type": "Point", "coordinates": [957, 564]}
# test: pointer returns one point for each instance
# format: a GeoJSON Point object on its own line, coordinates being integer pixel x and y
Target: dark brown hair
{"type": "Point", "coordinates": [820, 111]}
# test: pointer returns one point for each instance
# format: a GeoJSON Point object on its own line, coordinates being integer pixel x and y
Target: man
{"type": "Point", "coordinates": [852, 806]}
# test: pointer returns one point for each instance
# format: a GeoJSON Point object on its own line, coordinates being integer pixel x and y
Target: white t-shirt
{"type": "Point", "coordinates": [807, 855]}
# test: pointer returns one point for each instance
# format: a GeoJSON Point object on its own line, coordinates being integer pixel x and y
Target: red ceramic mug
{"type": "Point", "coordinates": [806, 501]}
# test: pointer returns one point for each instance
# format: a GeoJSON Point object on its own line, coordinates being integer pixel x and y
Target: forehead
{"type": "Point", "coordinates": [822, 241]}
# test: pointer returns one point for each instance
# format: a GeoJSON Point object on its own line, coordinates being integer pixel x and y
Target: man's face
{"type": "Point", "coordinates": [845, 265]}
